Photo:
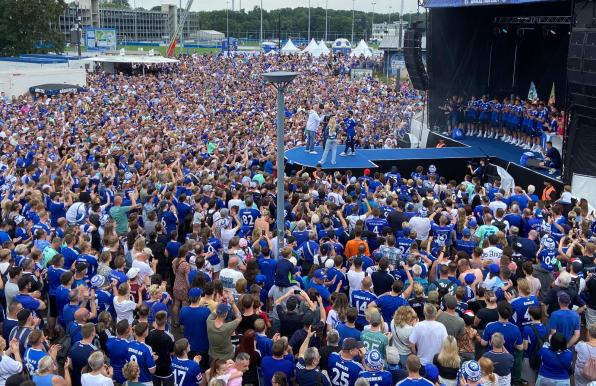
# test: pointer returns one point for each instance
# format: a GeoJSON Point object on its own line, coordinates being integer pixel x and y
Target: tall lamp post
{"type": "Point", "coordinates": [261, 34]}
{"type": "Point", "coordinates": [353, 10]}
{"type": "Point", "coordinates": [280, 80]}
{"type": "Point", "coordinates": [373, 19]}
{"type": "Point", "coordinates": [309, 20]}
{"type": "Point", "coordinates": [326, 9]}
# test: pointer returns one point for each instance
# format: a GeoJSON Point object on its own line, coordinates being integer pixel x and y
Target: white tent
{"type": "Point", "coordinates": [362, 49]}
{"type": "Point", "coordinates": [290, 48]}
{"type": "Point", "coordinates": [313, 49]}
{"type": "Point", "coordinates": [324, 49]}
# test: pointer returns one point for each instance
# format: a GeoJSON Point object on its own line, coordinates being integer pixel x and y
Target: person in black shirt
{"type": "Point", "coordinates": [162, 344]}
{"type": "Point", "coordinates": [249, 313]}
{"type": "Point", "coordinates": [307, 373]}
{"type": "Point", "coordinates": [290, 318]}
{"type": "Point", "coordinates": [552, 157]}
{"type": "Point", "coordinates": [382, 280]}
{"type": "Point", "coordinates": [331, 347]}
{"type": "Point", "coordinates": [397, 217]}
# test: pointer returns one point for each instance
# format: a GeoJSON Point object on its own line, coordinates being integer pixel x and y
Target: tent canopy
{"type": "Point", "coordinates": [362, 49]}
{"type": "Point", "coordinates": [51, 89]}
{"type": "Point", "coordinates": [324, 49]}
{"type": "Point", "coordinates": [313, 49]}
{"type": "Point", "coordinates": [290, 48]}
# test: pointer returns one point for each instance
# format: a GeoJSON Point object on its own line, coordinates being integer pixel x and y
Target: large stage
{"type": "Point", "coordinates": [450, 161]}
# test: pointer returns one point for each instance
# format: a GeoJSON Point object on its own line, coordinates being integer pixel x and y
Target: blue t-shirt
{"type": "Point", "coordinates": [194, 320]}
{"type": "Point", "coordinates": [548, 258]}
{"type": "Point", "coordinates": [70, 256]}
{"type": "Point", "coordinates": [32, 358]}
{"type": "Point", "coordinates": [248, 217]}
{"type": "Point", "coordinates": [342, 372]}
{"type": "Point", "coordinates": [186, 372]}
{"type": "Point", "coordinates": [79, 354]}
{"type": "Point", "coordinates": [321, 290]}
{"type": "Point", "coordinates": [53, 275]}
{"type": "Point", "coordinates": [528, 334]}
{"type": "Point", "coordinates": [376, 225]}
{"type": "Point", "coordinates": [361, 299]}
{"type": "Point", "coordinates": [283, 272]}
{"type": "Point", "coordinates": [388, 304]}
{"type": "Point", "coordinates": [414, 382]}
{"type": "Point", "coordinates": [510, 332]}
{"type": "Point", "coordinates": [347, 332]}
{"type": "Point", "coordinates": [270, 366]}
{"type": "Point", "coordinates": [564, 321]}
{"type": "Point", "coordinates": [143, 355]}
{"type": "Point", "coordinates": [377, 378]}
{"type": "Point", "coordinates": [28, 302]}
{"type": "Point", "coordinates": [267, 268]}
{"type": "Point", "coordinates": [339, 276]}
{"type": "Point", "coordinates": [555, 365]}
{"type": "Point", "coordinates": [520, 306]}
{"type": "Point", "coordinates": [91, 262]}
{"type": "Point", "coordinates": [264, 345]}
{"type": "Point", "coordinates": [117, 351]}
{"type": "Point", "coordinates": [306, 377]}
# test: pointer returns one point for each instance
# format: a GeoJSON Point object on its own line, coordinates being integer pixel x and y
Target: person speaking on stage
{"type": "Point", "coordinates": [331, 142]}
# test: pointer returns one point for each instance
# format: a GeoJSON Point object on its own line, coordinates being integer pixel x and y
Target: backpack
{"type": "Point", "coordinates": [534, 358]}
{"type": "Point", "coordinates": [65, 345]}
{"type": "Point", "coordinates": [588, 372]}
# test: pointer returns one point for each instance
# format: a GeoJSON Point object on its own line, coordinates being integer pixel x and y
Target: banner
{"type": "Point", "coordinates": [467, 3]}
{"type": "Point", "coordinates": [100, 39]}
{"type": "Point", "coordinates": [532, 94]}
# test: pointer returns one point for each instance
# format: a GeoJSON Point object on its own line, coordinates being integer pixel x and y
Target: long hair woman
{"type": "Point", "coordinates": [448, 362]}
{"type": "Point", "coordinates": [338, 313]}
{"type": "Point", "coordinates": [401, 327]}
{"type": "Point", "coordinates": [248, 345]}
{"type": "Point", "coordinates": [489, 378]}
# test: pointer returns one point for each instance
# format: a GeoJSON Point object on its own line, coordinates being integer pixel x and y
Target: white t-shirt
{"type": "Point", "coordinates": [145, 269]}
{"type": "Point", "coordinates": [355, 280]}
{"type": "Point", "coordinates": [124, 310]}
{"type": "Point", "coordinates": [95, 380]}
{"type": "Point", "coordinates": [492, 253]}
{"type": "Point", "coordinates": [428, 337]}
{"type": "Point", "coordinates": [422, 227]}
{"type": "Point", "coordinates": [8, 367]}
{"type": "Point", "coordinates": [229, 277]}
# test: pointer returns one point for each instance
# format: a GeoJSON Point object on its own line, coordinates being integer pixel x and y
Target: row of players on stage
{"type": "Point", "coordinates": [512, 120]}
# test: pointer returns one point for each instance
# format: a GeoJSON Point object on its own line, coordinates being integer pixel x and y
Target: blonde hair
{"type": "Point", "coordinates": [523, 286]}
{"type": "Point", "coordinates": [131, 371]}
{"type": "Point", "coordinates": [487, 367]}
{"type": "Point", "coordinates": [332, 125]}
{"type": "Point", "coordinates": [449, 354]}
{"type": "Point", "coordinates": [404, 315]}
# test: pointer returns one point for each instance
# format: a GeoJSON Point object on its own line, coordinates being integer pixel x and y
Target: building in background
{"type": "Point", "coordinates": [132, 25]}
{"type": "Point", "coordinates": [381, 30]}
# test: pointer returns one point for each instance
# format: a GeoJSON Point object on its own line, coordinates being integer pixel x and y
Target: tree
{"type": "Point", "coordinates": [116, 4]}
{"type": "Point", "coordinates": [28, 26]}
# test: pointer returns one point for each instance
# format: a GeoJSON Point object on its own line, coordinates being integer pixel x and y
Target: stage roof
{"type": "Point", "coordinates": [469, 3]}
{"type": "Point", "coordinates": [136, 59]}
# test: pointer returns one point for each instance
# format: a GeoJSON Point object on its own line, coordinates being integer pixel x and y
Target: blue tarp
{"type": "Point", "coordinates": [467, 3]}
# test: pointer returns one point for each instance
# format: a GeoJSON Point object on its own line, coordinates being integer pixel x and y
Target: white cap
{"type": "Point", "coordinates": [132, 273]}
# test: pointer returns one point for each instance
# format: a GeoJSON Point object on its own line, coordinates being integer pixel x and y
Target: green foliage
{"type": "Point", "coordinates": [116, 4]}
{"type": "Point", "coordinates": [26, 24]}
{"type": "Point", "coordinates": [296, 21]}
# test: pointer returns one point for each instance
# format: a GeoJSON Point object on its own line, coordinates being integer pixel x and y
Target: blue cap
{"type": "Point", "coordinates": [260, 278]}
{"type": "Point", "coordinates": [494, 268]}
{"type": "Point", "coordinates": [538, 212]}
{"type": "Point", "coordinates": [470, 370]}
{"type": "Point", "coordinates": [320, 274]}
{"type": "Point", "coordinates": [466, 232]}
{"type": "Point", "coordinates": [431, 372]}
{"type": "Point", "coordinates": [374, 360]}
{"type": "Point", "coordinates": [472, 224]}
{"type": "Point", "coordinates": [470, 278]}
{"type": "Point", "coordinates": [195, 292]}
{"type": "Point", "coordinates": [409, 207]}
{"type": "Point", "coordinates": [98, 281]}
{"type": "Point", "coordinates": [222, 309]}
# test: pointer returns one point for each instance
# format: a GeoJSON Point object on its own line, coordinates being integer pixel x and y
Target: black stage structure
{"type": "Point", "coordinates": [499, 47]}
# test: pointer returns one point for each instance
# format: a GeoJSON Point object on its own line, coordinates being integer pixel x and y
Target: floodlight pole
{"type": "Point", "coordinates": [261, 35]}
{"type": "Point", "coordinates": [280, 80]}
{"type": "Point", "coordinates": [353, 8]}
{"type": "Point", "coordinates": [309, 20]}
{"type": "Point", "coordinates": [326, 9]}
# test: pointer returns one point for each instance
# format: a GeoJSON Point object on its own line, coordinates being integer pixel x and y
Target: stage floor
{"type": "Point", "coordinates": [472, 148]}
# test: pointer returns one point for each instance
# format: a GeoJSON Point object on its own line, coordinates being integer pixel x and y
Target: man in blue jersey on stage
{"type": "Point", "coordinates": [350, 125]}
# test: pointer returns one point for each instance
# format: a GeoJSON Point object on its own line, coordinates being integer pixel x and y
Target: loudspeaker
{"type": "Point", "coordinates": [413, 59]}
{"type": "Point", "coordinates": [581, 71]}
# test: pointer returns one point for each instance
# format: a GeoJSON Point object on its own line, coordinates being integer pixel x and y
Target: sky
{"type": "Point", "coordinates": [381, 6]}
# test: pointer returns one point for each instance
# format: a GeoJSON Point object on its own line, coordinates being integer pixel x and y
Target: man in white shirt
{"type": "Point", "coordinates": [230, 275]}
{"type": "Point", "coordinates": [492, 252]}
{"type": "Point", "coordinates": [421, 224]}
{"type": "Point", "coordinates": [498, 203]}
{"type": "Point", "coordinates": [312, 125]}
{"type": "Point", "coordinates": [145, 270]}
{"type": "Point", "coordinates": [427, 336]}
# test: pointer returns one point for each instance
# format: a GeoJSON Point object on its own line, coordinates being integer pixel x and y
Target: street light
{"type": "Point", "coordinates": [326, 9]}
{"type": "Point", "coordinates": [261, 35]}
{"type": "Point", "coordinates": [280, 80]}
{"type": "Point", "coordinates": [390, 9]}
{"type": "Point", "coordinates": [353, 8]}
{"type": "Point", "coordinates": [373, 18]}
{"type": "Point", "coordinates": [309, 20]}
{"type": "Point", "coordinates": [228, 26]}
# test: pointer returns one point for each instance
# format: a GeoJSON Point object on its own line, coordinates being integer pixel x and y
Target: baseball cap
{"type": "Point", "coordinates": [469, 278]}
{"type": "Point", "coordinates": [563, 297]}
{"type": "Point", "coordinates": [222, 309]}
{"type": "Point", "coordinates": [23, 315]}
{"type": "Point", "coordinates": [466, 232]}
{"type": "Point", "coordinates": [132, 273]}
{"type": "Point", "coordinates": [470, 370]}
{"type": "Point", "coordinates": [260, 278]}
{"type": "Point", "coordinates": [578, 266]}
{"type": "Point", "coordinates": [431, 372]}
{"type": "Point", "coordinates": [350, 344]}
{"type": "Point", "coordinates": [538, 212]}
{"type": "Point", "coordinates": [374, 360]}
{"type": "Point", "coordinates": [320, 274]}
{"type": "Point", "coordinates": [472, 224]}
{"type": "Point", "coordinates": [195, 292]}
{"type": "Point", "coordinates": [98, 281]}
{"type": "Point", "coordinates": [494, 268]}
{"type": "Point", "coordinates": [410, 207]}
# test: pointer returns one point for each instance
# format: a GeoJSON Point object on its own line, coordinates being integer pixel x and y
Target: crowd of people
{"type": "Point", "coordinates": [512, 120]}
{"type": "Point", "coordinates": [139, 246]}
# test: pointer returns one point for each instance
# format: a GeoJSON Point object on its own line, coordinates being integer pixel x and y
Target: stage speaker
{"type": "Point", "coordinates": [413, 59]}
{"type": "Point", "coordinates": [581, 71]}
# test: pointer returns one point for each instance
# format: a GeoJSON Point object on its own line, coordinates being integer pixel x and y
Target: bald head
{"type": "Point", "coordinates": [118, 200]}
{"type": "Point", "coordinates": [366, 283]}
{"type": "Point", "coordinates": [81, 315]}
{"type": "Point", "coordinates": [233, 262]}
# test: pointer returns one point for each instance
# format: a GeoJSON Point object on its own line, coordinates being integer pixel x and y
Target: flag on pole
{"type": "Point", "coordinates": [551, 98]}
{"type": "Point", "coordinates": [532, 94]}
